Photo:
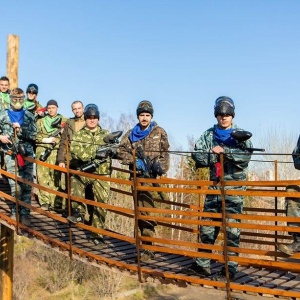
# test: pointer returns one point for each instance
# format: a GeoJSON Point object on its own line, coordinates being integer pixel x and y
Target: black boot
{"type": "Point", "coordinates": [196, 270]}
{"type": "Point", "coordinates": [292, 248]}
{"type": "Point", "coordinates": [76, 217]}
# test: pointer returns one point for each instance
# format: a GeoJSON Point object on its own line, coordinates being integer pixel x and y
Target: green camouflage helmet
{"type": "Point", "coordinates": [145, 106]}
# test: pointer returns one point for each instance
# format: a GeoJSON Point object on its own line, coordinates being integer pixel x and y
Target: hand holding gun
{"type": "Point", "coordinates": [148, 168]}
{"type": "Point", "coordinates": [55, 124]}
{"type": "Point", "coordinates": [103, 152]}
{"type": "Point", "coordinates": [12, 147]}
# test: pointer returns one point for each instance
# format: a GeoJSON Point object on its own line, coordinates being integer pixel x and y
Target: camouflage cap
{"type": "Point", "coordinates": [145, 106]}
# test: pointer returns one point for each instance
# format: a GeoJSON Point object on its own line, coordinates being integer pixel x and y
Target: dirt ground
{"type": "Point", "coordinates": [201, 293]}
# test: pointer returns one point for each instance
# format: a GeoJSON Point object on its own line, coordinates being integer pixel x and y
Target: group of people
{"type": "Point", "coordinates": [29, 129]}
{"type": "Point", "coordinates": [75, 142]}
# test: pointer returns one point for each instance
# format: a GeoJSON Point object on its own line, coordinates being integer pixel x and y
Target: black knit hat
{"type": "Point", "coordinates": [52, 102]}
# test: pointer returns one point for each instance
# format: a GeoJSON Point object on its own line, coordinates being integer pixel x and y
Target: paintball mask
{"type": "Point", "coordinates": [224, 106]}
{"type": "Point", "coordinates": [17, 99]}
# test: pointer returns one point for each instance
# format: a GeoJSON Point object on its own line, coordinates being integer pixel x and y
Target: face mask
{"type": "Point", "coordinates": [17, 102]}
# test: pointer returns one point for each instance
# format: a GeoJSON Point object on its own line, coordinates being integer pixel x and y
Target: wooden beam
{"type": "Point", "coordinates": [7, 234]}
{"type": "Point", "coordinates": [6, 263]}
{"type": "Point", "coordinates": [12, 62]}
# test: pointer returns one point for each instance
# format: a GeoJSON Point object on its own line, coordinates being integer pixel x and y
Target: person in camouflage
{"type": "Point", "coordinates": [153, 140]}
{"type": "Point", "coordinates": [212, 142]}
{"type": "Point", "coordinates": [4, 93]}
{"type": "Point", "coordinates": [18, 125]}
{"type": "Point", "coordinates": [4, 104]}
{"type": "Point", "coordinates": [72, 126]}
{"type": "Point", "coordinates": [85, 151]}
{"type": "Point", "coordinates": [47, 143]}
{"type": "Point", "coordinates": [31, 103]}
{"type": "Point", "coordinates": [293, 209]}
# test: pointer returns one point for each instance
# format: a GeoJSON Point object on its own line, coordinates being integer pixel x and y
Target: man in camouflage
{"type": "Point", "coordinates": [153, 140]}
{"type": "Point", "coordinates": [293, 209]}
{"type": "Point", "coordinates": [86, 151]}
{"type": "Point", "coordinates": [47, 143]}
{"type": "Point", "coordinates": [4, 104]}
{"type": "Point", "coordinates": [18, 126]}
{"type": "Point", "coordinates": [72, 126]}
{"type": "Point", "coordinates": [4, 93]}
{"type": "Point", "coordinates": [212, 142]}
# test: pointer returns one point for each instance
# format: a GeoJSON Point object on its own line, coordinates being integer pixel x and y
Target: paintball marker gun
{"type": "Point", "coordinates": [241, 136]}
{"type": "Point", "coordinates": [104, 151]}
{"type": "Point", "coordinates": [150, 169]}
{"type": "Point", "coordinates": [18, 148]}
{"type": "Point", "coordinates": [55, 124]}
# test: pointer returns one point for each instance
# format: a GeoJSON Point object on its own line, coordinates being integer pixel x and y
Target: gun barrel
{"type": "Point", "coordinates": [255, 149]}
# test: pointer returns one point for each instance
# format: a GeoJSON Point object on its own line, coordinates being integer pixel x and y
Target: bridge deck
{"type": "Point", "coordinates": [165, 266]}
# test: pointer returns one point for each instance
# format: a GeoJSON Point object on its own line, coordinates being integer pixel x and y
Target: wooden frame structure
{"type": "Point", "coordinates": [262, 229]}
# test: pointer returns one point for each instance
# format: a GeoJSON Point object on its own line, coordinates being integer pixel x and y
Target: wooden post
{"type": "Point", "coordinates": [12, 62]}
{"type": "Point", "coordinates": [6, 263]}
{"type": "Point", "coordinates": [7, 234]}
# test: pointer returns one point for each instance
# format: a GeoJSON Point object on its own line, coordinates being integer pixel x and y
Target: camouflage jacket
{"type": "Point", "coordinates": [26, 135]}
{"type": "Point", "coordinates": [66, 138]}
{"type": "Point", "coordinates": [236, 160]}
{"type": "Point", "coordinates": [155, 146]}
{"type": "Point", "coordinates": [296, 158]}
{"type": "Point", "coordinates": [42, 133]}
{"type": "Point", "coordinates": [4, 101]}
{"type": "Point", "coordinates": [84, 146]}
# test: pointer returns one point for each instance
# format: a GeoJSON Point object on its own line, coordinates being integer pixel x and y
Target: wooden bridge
{"type": "Point", "coordinates": [262, 269]}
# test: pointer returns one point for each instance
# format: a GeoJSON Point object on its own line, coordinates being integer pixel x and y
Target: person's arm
{"type": "Point", "coordinates": [6, 130]}
{"type": "Point", "coordinates": [296, 155]}
{"type": "Point", "coordinates": [238, 154]}
{"type": "Point", "coordinates": [40, 135]}
{"type": "Point", "coordinates": [61, 153]}
{"type": "Point", "coordinates": [124, 151]}
{"type": "Point", "coordinates": [29, 128]}
{"type": "Point", "coordinates": [203, 155]}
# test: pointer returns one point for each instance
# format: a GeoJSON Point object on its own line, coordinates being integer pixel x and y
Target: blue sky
{"type": "Point", "coordinates": [180, 55]}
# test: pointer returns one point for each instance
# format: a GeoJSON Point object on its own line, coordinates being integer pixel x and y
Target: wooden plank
{"type": "Point", "coordinates": [290, 284]}
{"type": "Point", "coordinates": [258, 277]}
{"type": "Point", "coordinates": [245, 276]}
{"type": "Point", "coordinates": [276, 283]}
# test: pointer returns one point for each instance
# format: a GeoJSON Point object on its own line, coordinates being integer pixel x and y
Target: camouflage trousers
{"type": "Point", "coordinates": [293, 205]}
{"type": "Point", "coordinates": [49, 178]}
{"type": "Point", "coordinates": [94, 215]}
{"type": "Point", "coordinates": [145, 199]}
{"type": "Point", "coordinates": [21, 191]}
{"type": "Point", "coordinates": [209, 234]}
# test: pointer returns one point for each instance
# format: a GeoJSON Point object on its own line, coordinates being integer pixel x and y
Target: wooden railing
{"type": "Point", "coordinates": [262, 227]}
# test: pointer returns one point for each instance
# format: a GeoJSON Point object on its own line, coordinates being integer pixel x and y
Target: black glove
{"type": "Point", "coordinates": [113, 153]}
{"type": "Point", "coordinates": [103, 153]}
{"type": "Point", "coordinates": [156, 168]}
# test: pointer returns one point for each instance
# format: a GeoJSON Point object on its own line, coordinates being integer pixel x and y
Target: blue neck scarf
{"type": "Point", "coordinates": [138, 134]}
{"type": "Point", "coordinates": [223, 136]}
{"type": "Point", "coordinates": [16, 116]}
